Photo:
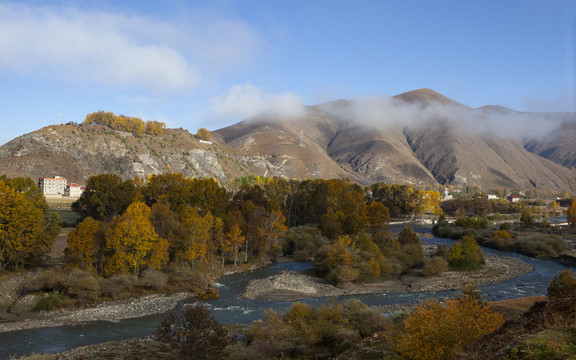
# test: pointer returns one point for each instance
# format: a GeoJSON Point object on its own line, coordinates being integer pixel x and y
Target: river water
{"type": "Point", "coordinates": [231, 308]}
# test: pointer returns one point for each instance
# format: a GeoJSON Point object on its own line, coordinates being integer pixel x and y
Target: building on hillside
{"type": "Point", "coordinates": [74, 190]}
{"type": "Point", "coordinates": [53, 186]}
{"type": "Point", "coordinates": [513, 198]}
{"type": "Point", "coordinates": [491, 197]}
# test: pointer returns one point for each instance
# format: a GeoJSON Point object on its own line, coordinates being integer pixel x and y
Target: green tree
{"type": "Point", "coordinates": [466, 254]}
{"type": "Point", "coordinates": [106, 196]}
{"type": "Point", "coordinates": [526, 218]}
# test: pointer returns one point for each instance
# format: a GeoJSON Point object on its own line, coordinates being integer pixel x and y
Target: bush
{"type": "Point", "coordinates": [505, 226]}
{"type": "Point", "coordinates": [117, 285]}
{"type": "Point", "coordinates": [435, 266]}
{"type": "Point", "coordinates": [541, 245]}
{"type": "Point", "coordinates": [466, 254]}
{"type": "Point", "coordinates": [343, 274]}
{"type": "Point", "coordinates": [439, 331]}
{"type": "Point", "coordinates": [153, 279]}
{"type": "Point", "coordinates": [46, 281]}
{"type": "Point", "coordinates": [48, 302]}
{"type": "Point", "coordinates": [195, 333]}
{"type": "Point", "coordinates": [81, 284]}
{"type": "Point", "coordinates": [563, 286]}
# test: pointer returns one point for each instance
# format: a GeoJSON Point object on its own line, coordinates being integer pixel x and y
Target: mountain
{"type": "Point", "coordinates": [559, 145]}
{"type": "Point", "coordinates": [419, 137]}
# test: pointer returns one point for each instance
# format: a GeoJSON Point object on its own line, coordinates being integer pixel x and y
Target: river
{"type": "Point", "coordinates": [231, 308]}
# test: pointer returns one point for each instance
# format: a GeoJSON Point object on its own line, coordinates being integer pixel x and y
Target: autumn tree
{"type": "Point", "coordinates": [235, 240]}
{"type": "Point", "coordinates": [571, 214]}
{"type": "Point", "coordinates": [466, 254]}
{"type": "Point", "coordinates": [106, 196]}
{"type": "Point", "coordinates": [378, 219]}
{"type": "Point", "coordinates": [436, 330]}
{"type": "Point", "coordinates": [155, 127]}
{"type": "Point", "coordinates": [429, 202]}
{"type": "Point", "coordinates": [132, 244]}
{"type": "Point", "coordinates": [26, 229]}
{"type": "Point", "coordinates": [82, 244]}
{"type": "Point", "coordinates": [134, 125]}
{"type": "Point", "coordinates": [193, 245]}
{"type": "Point", "coordinates": [204, 134]}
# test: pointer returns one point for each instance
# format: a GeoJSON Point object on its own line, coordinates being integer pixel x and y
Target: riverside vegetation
{"type": "Point", "coordinates": [169, 233]}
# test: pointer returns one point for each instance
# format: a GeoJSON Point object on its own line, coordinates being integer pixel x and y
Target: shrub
{"type": "Point", "coordinates": [505, 226]}
{"type": "Point", "coordinates": [117, 285]}
{"type": "Point", "coordinates": [541, 245]}
{"type": "Point", "coordinates": [46, 281]}
{"type": "Point", "coordinates": [153, 279]}
{"type": "Point", "coordinates": [81, 284]}
{"type": "Point", "coordinates": [439, 331]}
{"type": "Point", "coordinates": [563, 286]}
{"type": "Point", "coordinates": [466, 254]}
{"type": "Point", "coordinates": [195, 333]}
{"type": "Point", "coordinates": [48, 302]}
{"type": "Point", "coordinates": [343, 274]}
{"type": "Point", "coordinates": [435, 266]}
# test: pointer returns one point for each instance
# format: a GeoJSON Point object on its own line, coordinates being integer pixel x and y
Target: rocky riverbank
{"type": "Point", "coordinates": [291, 285]}
{"type": "Point", "coordinates": [106, 311]}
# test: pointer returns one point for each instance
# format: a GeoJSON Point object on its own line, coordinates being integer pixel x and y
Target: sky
{"type": "Point", "coordinates": [210, 64]}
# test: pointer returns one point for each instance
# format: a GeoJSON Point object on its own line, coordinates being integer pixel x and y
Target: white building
{"type": "Point", "coordinates": [53, 186]}
{"type": "Point", "coordinates": [74, 190]}
{"type": "Point", "coordinates": [491, 197]}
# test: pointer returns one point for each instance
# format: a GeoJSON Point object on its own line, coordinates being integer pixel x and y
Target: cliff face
{"type": "Point", "coordinates": [80, 151]}
{"type": "Point", "coordinates": [334, 140]}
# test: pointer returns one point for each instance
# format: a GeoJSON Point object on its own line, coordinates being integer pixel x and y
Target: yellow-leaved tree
{"type": "Point", "coordinates": [235, 239]}
{"type": "Point", "coordinates": [26, 231]}
{"type": "Point", "coordinates": [204, 134]}
{"type": "Point", "coordinates": [438, 331]}
{"type": "Point", "coordinates": [193, 246]}
{"type": "Point", "coordinates": [132, 243]}
{"type": "Point", "coordinates": [81, 248]}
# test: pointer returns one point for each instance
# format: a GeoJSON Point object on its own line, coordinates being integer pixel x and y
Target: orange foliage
{"type": "Point", "coordinates": [438, 331]}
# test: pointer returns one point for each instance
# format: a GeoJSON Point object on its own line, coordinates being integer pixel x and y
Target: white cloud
{"type": "Point", "coordinates": [118, 50]}
{"type": "Point", "coordinates": [243, 101]}
{"type": "Point", "coordinates": [382, 112]}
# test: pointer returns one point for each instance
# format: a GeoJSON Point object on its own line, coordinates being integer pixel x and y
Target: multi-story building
{"type": "Point", "coordinates": [74, 190]}
{"type": "Point", "coordinates": [53, 186]}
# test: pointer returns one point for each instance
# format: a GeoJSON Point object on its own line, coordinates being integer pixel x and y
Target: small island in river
{"type": "Point", "coordinates": [292, 285]}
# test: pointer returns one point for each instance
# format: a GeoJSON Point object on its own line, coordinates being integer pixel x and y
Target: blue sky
{"type": "Point", "coordinates": [209, 64]}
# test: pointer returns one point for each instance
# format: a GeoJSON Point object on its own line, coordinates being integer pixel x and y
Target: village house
{"type": "Point", "coordinates": [74, 190]}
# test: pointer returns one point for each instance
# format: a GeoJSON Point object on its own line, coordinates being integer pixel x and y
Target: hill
{"type": "Point", "coordinates": [419, 137]}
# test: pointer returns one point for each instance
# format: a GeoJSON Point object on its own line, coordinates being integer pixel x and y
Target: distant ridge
{"type": "Point", "coordinates": [337, 143]}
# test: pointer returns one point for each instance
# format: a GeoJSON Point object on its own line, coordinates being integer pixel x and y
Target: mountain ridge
{"type": "Point", "coordinates": [342, 138]}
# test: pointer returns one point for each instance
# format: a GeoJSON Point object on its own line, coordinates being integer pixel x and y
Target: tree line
{"type": "Point", "coordinates": [133, 225]}
{"type": "Point", "coordinates": [130, 124]}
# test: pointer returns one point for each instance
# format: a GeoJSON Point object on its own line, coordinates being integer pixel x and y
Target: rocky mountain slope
{"type": "Point", "coordinates": [420, 137]}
